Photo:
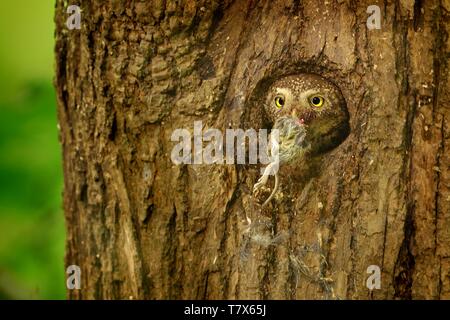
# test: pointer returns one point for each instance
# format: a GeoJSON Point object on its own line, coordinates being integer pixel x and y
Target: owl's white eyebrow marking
{"type": "Point", "coordinates": [284, 91]}
{"type": "Point", "coordinates": [306, 94]}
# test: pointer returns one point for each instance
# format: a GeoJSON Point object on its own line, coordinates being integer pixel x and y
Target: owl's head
{"type": "Point", "coordinates": [314, 102]}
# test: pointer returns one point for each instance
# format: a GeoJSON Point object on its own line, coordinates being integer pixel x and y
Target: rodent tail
{"type": "Point", "coordinates": [275, 188]}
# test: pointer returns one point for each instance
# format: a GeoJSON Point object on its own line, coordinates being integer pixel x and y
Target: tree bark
{"type": "Point", "coordinates": [141, 227]}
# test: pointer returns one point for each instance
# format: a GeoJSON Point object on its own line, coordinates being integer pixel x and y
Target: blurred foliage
{"type": "Point", "coordinates": [31, 219]}
{"type": "Point", "coordinates": [26, 44]}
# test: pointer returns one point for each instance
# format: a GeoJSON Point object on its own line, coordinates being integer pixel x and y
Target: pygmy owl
{"type": "Point", "coordinates": [311, 117]}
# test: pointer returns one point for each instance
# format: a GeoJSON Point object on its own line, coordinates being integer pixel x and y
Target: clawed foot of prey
{"type": "Point", "coordinates": [260, 183]}
{"type": "Point", "coordinates": [263, 181]}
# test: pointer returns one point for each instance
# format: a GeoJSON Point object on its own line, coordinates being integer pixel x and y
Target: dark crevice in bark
{"type": "Point", "coordinates": [205, 287]}
{"type": "Point", "coordinates": [113, 130]}
{"type": "Point", "coordinates": [170, 257]}
{"type": "Point", "coordinates": [439, 63]}
{"type": "Point", "coordinates": [60, 83]}
{"type": "Point", "coordinates": [142, 268]}
{"type": "Point", "coordinates": [438, 54]}
{"type": "Point", "coordinates": [437, 210]}
{"type": "Point", "coordinates": [407, 99]}
{"type": "Point", "coordinates": [296, 7]}
{"type": "Point", "coordinates": [404, 267]}
{"type": "Point", "coordinates": [98, 291]}
{"type": "Point", "coordinates": [216, 19]}
{"type": "Point", "coordinates": [440, 284]}
{"type": "Point", "coordinates": [418, 15]}
{"type": "Point", "coordinates": [83, 193]}
{"type": "Point", "coordinates": [385, 5]}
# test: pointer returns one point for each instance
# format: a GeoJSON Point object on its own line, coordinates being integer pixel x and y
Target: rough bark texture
{"type": "Point", "coordinates": [140, 226]}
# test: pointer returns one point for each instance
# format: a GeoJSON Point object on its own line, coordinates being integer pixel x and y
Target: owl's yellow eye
{"type": "Point", "coordinates": [279, 102]}
{"type": "Point", "coordinates": [316, 101]}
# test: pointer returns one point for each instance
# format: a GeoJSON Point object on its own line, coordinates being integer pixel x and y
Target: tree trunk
{"type": "Point", "coordinates": [142, 227]}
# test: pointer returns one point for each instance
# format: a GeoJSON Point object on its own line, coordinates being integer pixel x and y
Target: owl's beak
{"type": "Point", "coordinates": [294, 115]}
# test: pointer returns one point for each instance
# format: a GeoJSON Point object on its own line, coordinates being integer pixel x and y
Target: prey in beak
{"type": "Point", "coordinates": [304, 118]}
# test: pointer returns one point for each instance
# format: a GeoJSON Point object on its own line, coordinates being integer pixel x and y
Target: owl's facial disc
{"type": "Point", "coordinates": [311, 103]}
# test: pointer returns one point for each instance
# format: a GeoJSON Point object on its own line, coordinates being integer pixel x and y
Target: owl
{"type": "Point", "coordinates": [311, 118]}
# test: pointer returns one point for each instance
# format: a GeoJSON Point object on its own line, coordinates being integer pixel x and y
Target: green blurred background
{"type": "Point", "coordinates": [32, 229]}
